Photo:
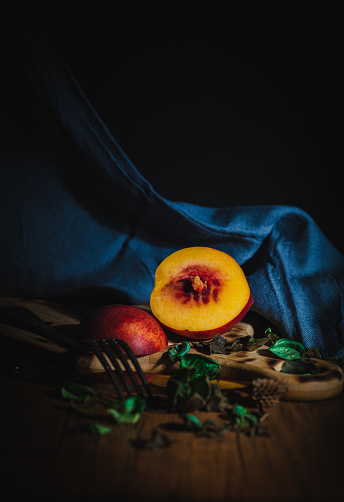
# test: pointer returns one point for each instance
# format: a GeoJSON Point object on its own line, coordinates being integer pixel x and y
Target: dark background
{"type": "Point", "coordinates": [218, 107]}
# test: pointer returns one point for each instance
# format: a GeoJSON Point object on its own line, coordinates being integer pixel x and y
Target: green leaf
{"type": "Point", "coordinates": [89, 407]}
{"type": "Point", "coordinates": [242, 416]}
{"type": "Point", "coordinates": [191, 422]}
{"type": "Point", "coordinates": [255, 344]}
{"type": "Point", "coordinates": [156, 441]}
{"type": "Point", "coordinates": [271, 336]}
{"type": "Point", "coordinates": [209, 428]}
{"type": "Point", "coordinates": [313, 351]}
{"type": "Point", "coordinates": [203, 365]}
{"type": "Point", "coordinates": [302, 366]}
{"type": "Point", "coordinates": [77, 392]}
{"type": "Point", "coordinates": [339, 361]}
{"type": "Point", "coordinates": [187, 391]}
{"type": "Point", "coordinates": [99, 430]}
{"type": "Point", "coordinates": [288, 349]}
{"type": "Point", "coordinates": [128, 411]}
{"type": "Point", "coordinates": [178, 351]}
{"type": "Point", "coordinates": [220, 345]}
{"type": "Point", "coordinates": [218, 401]}
{"type": "Point", "coordinates": [212, 429]}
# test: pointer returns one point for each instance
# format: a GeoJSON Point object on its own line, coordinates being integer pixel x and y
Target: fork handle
{"type": "Point", "coordinates": [21, 323]}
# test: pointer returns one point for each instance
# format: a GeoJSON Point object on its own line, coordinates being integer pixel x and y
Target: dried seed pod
{"type": "Point", "coordinates": [266, 392]}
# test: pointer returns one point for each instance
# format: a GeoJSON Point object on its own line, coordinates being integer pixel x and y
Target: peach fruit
{"type": "Point", "coordinates": [138, 328]}
{"type": "Point", "coordinates": [199, 292]}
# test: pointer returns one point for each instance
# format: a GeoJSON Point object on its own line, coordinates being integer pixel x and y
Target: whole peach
{"type": "Point", "coordinates": [138, 328]}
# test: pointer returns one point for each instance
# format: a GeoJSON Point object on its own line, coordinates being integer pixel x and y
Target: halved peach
{"type": "Point", "coordinates": [199, 292]}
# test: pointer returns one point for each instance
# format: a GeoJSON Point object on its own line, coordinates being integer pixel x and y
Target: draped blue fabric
{"type": "Point", "coordinates": [75, 213]}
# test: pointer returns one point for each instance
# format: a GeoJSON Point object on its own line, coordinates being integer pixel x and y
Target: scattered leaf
{"type": "Point", "coordinates": [218, 401]}
{"type": "Point", "coordinates": [178, 351]}
{"type": "Point", "coordinates": [156, 441]}
{"type": "Point", "coordinates": [288, 349]}
{"type": "Point", "coordinates": [128, 411]}
{"type": "Point", "coordinates": [203, 344]}
{"type": "Point", "coordinates": [339, 361]}
{"type": "Point", "coordinates": [220, 345]}
{"type": "Point", "coordinates": [256, 343]}
{"type": "Point", "coordinates": [242, 417]}
{"type": "Point", "coordinates": [313, 352]}
{"type": "Point", "coordinates": [210, 428]}
{"type": "Point", "coordinates": [77, 392]}
{"type": "Point", "coordinates": [187, 391]}
{"type": "Point", "coordinates": [302, 366]}
{"type": "Point", "coordinates": [203, 365]}
{"type": "Point", "coordinates": [271, 336]}
{"type": "Point", "coordinates": [99, 430]}
{"type": "Point", "coordinates": [89, 407]}
{"type": "Point", "coordinates": [191, 422]}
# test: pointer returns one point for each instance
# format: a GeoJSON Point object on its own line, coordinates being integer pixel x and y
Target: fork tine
{"type": "Point", "coordinates": [112, 348]}
{"type": "Point", "coordinates": [94, 347]}
{"type": "Point", "coordinates": [136, 364]}
{"type": "Point", "coordinates": [114, 345]}
{"type": "Point", "coordinates": [106, 347]}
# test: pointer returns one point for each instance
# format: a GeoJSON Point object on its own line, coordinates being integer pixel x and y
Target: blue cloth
{"type": "Point", "coordinates": [75, 213]}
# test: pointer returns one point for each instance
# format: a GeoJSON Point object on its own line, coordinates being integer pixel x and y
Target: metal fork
{"type": "Point", "coordinates": [110, 350]}
{"type": "Point", "coordinates": [21, 323]}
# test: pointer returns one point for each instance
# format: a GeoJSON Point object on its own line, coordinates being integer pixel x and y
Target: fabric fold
{"type": "Point", "coordinates": [91, 220]}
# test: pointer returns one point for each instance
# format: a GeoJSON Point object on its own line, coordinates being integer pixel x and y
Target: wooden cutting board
{"type": "Point", "coordinates": [243, 365]}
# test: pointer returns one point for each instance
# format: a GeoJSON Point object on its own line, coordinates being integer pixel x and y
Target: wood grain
{"type": "Point", "coordinates": [46, 453]}
{"type": "Point", "coordinates": [42, 454]}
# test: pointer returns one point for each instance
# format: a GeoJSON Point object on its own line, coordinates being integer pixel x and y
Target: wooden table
{"type": "Point", "coordinates": [46, 452]}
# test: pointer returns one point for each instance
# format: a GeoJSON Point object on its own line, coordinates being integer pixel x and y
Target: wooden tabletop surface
{"type": "Point", "coordinates": [47, 451]}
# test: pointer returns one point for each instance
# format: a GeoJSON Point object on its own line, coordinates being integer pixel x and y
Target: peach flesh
{"type": "Point", "coordinates": [138, 328]}
{"type": "Point", "coordinates": [206, 334]}
{"type": "Point", "coordinates": [199, 292]}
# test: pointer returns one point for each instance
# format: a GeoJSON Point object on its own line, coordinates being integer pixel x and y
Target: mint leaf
{"type": "Point", "coordinates": [77, 392]}
{"type": "Point", "coordinates": [99, 430]}
{"type": "Point", "coordinates": [302, 366]}
{"type": "Point", "coordinates": [128, 411]}
{"type": "Point", "coordinates": [179, 351]}
{"type": "Point", "coordinates": [187, 390]}
{"type": "Point", "coordinates": [191, 422]}
{"type": "Point", "coordinates": [203, 365]}
{"type": "Point", "coordinates": [156, 441]}
{"type": "Point", "coordinates": [288, 349]}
